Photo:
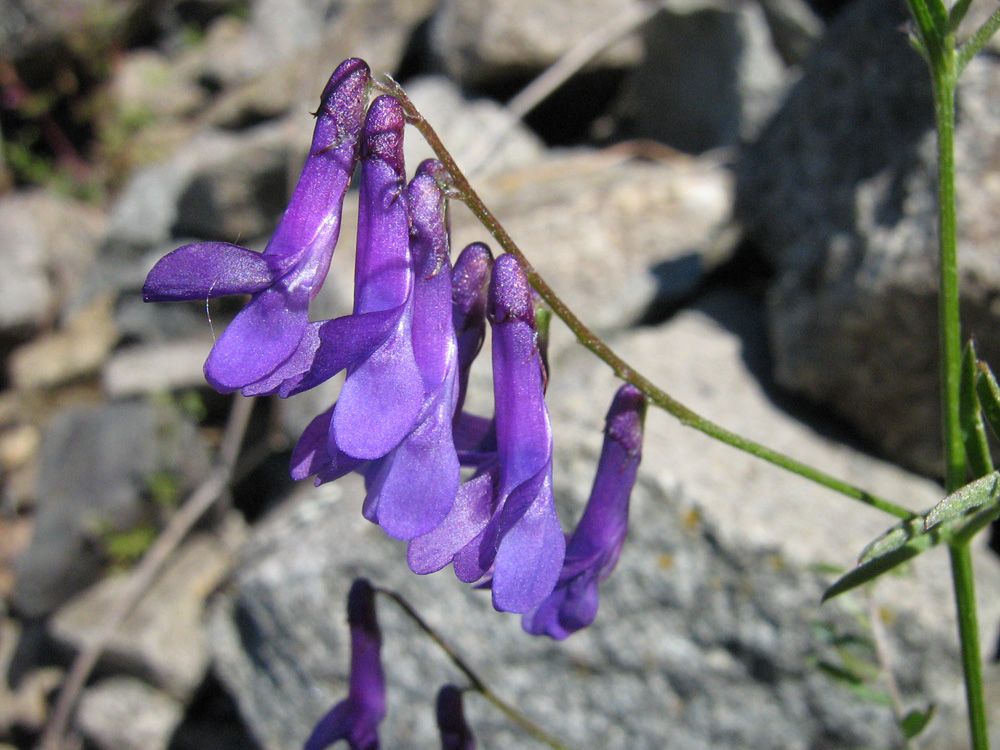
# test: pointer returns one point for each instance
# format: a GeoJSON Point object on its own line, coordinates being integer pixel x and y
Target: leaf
{"type": "Point", "coordinates": [989, 397]}
{"type": "Point", "coordinates": [954, 520]}
{"type": "Point", "coordinates": [916, 722]}
{"type": "Point", "coordinates": [959, 503]}
{"type": "Point", "coordinates": [970, 417]}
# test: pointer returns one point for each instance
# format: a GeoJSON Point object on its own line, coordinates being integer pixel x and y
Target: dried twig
{"type": "Point", "coordinates": [143, 575]}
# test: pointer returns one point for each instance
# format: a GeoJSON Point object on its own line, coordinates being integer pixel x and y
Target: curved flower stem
{"type": "Point", "coordinates": [476, 683]}
{"type": "Point", "coordinates": [464, 191]}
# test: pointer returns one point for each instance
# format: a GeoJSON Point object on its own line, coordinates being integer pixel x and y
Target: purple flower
{"type": "Point", "coordinates": [288, 274]}
{"type": "Point", "coordinates": [455, 732]}
{"type": "Point", "coordinates": [411, 489]}
{"type": "Point", "coordinates": [504, 518]}
{"type": "Point", "coordinates": [356, 718]}
{"type": "Point", "coordinates": [593, 548]}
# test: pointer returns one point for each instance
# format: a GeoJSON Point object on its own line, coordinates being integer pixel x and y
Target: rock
{"type": "Point", "coordinates": [95, 472]}
{"type": "Point", "coordinates": [122, 713]}
{"type": "Point", "coordinates": [221, 186]}
{"type": "Point", "coordinates": [162, 640]}
{"type": "Point", "coordinates": [838, 193]}
{"type": "Point", "coordinates": [708, 630]}
{"type": "Point", "coordinates": [46, 247]}
{"type": "Point", "coordinates": [25, 706]}
{"type": "Point", "coordinates": [709, 78]}
{"type": "Point", "coordinates": [482, 41]}
{"type": "Point", "coordinates": [155, 368]}
{"type": "Point", "coordinates": [78, 349]}
{"type": "Point", "coordinates": [467, 128]}
{"type": "Point", "coordinates": [583, 220]}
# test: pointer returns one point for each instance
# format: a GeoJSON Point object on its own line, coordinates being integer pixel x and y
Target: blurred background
{"type": "Point", "coordinates": [737, 194]}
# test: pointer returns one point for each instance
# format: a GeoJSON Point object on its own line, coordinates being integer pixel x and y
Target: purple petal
{"type": "Point", "coordinates": [530, 556]}
{"type": "Point", "coordinates": [468, 517]}
{"type": "Point", "coordinates": [524, 437]}
{"type": "Point", "coordinates": [207, 270]}
{"type": "Point", "coordinates": [356, 719]}
{"type": "Point", "coordinates": [470, 281]}
{"type": "Point", "coordinates": [307, 233]}
{"type": "Point", "coordinates": [381, 398]}
{"type": "Point", "coordinates": [312, 454]}
{"type": "Point", "coordinates": [416, 485]}
{"type": "Point", "coordinates": [455, 732]}
{"type": "Point", "coordinates": [260, 338]}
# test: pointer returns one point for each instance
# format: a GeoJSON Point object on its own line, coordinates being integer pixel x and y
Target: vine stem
{"type": "Point", "coordinates": [476, 683]}
{"type": "Point", "coordinates": [464, 192]}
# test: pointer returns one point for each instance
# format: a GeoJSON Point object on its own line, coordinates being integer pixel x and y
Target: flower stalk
{"type": "Point", "coordinates": [465, 192]}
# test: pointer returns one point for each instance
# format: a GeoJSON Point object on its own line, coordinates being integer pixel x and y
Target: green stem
{"type": "Point", "coordinates": [968, 631]}
{"type": "Point", "coordinates": [944, 79]}
{"type": "Point", "coordinates": [943, 61]}
{"type": "Point", "coordinates": [475, 682]}
{"type": "Point", "coordinates": [464, 191]}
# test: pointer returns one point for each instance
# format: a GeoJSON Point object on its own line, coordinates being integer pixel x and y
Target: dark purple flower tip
{"type": "Point", "coordinates": [593, 549]}
{"type": "Point", "coordinates": [625, 420]}
{"type": "Point", "coordinates": [510, 294]}
{"type": "Point", "coordinates": [356, 718]}
{"type": "Point", "coordinates": [455, 732]}
{"type": "Point", "coordinates": [343, 101]}
{"type": "Point", "coordinates": [361, 607]}
{"type": "Point", "coordinates": [382, 136]}
{"type": "Point", "coordinates": [470, 282]}
{"type": "Point", "coordinates": [428, 221]}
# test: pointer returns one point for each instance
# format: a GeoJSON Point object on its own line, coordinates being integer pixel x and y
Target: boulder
{"type": "Point", "coordinates": [838, 194]}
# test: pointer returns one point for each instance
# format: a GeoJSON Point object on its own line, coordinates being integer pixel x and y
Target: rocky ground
{"type": "Point", "coordinates": [735, 193]}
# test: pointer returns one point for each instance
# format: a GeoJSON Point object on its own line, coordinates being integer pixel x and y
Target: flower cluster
{"type": "Point", "coordinates": [417, 324]}
{"type": "Point", "coordinates": [356, 718]}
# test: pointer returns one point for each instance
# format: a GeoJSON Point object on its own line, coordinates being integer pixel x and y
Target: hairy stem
{"type": "Point", "coordinates": [464, 191]}
{"type": "Point", "coordinates": [476, 683]}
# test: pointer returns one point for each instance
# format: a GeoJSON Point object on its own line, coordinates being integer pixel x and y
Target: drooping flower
{"type": "Point", "coordinates": [413, 487]}
{"type": "Point", "coordinates": [593, 549]}
{"type": "Point", "coordinates": [356, 718]}
{"type": "Point", "coordinates": [504, 518]}
{"type": "Point", "coordinates": [287, 275]}
{"type": "Point", "coordinates": [455, 732]}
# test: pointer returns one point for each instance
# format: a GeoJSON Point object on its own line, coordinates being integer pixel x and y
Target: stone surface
{"type": "Point", "coordinates": [710, 628]}
{"type": "Point", "coordinates": [708, 79]}
{"type": "Point", "coordinates": [95, 470]}
{"type": "Point", "coordinates": [480, 41]}
{"type": "Point", "coordinates": [162, 641]}
{"type": "Point", "coordinates": [224, 186]}
{"type": "Point", "coordinates": [77, 349]}
{"type": "Point", "coordinates": [122, 713]}
{"type": "Point", "coordinates": [155, 368]}
{"type": "Point", "coordinates": [583, 220]}
{"type": "Point", "coordinates": [838, 195]}
{"type": "Point", "coordinates": [46, 247]}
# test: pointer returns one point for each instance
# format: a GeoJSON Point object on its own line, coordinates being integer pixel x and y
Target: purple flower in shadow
{"type": "Point", "coordinates": [593, 548]}
{"type": "Point", "coordinates": [356, 718]}
{"type": "Point", "coordinates": [504, 518]}
{"type": "Point", "coordinates": [287, 275]}
{"type": "Point", "coordinates": [455, 732]}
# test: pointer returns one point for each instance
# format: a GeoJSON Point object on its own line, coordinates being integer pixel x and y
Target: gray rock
{"type": "Point", "coordinates": [122, 713]}
{"type": "Point", "coordinates": [94, 477]}
{"type": "Point", "coordinates": [709, 78]}
{"type": "Point", "coordinates": [708, 631]}
{"type": "Point", "coordinates": [481, 41]}
{"type": "Point", "coordinates": [224, 186]}
{"type": "Point", "coordinates": [162, 641]}
{"type": "Point", "coordinates": [582, 219]}
{"type": "Point", "coordinates": [155, 368]}
{"type": "Point", "coordinates": [46, 247]}
{"type": "Point", "coordinates": [839, 195]}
